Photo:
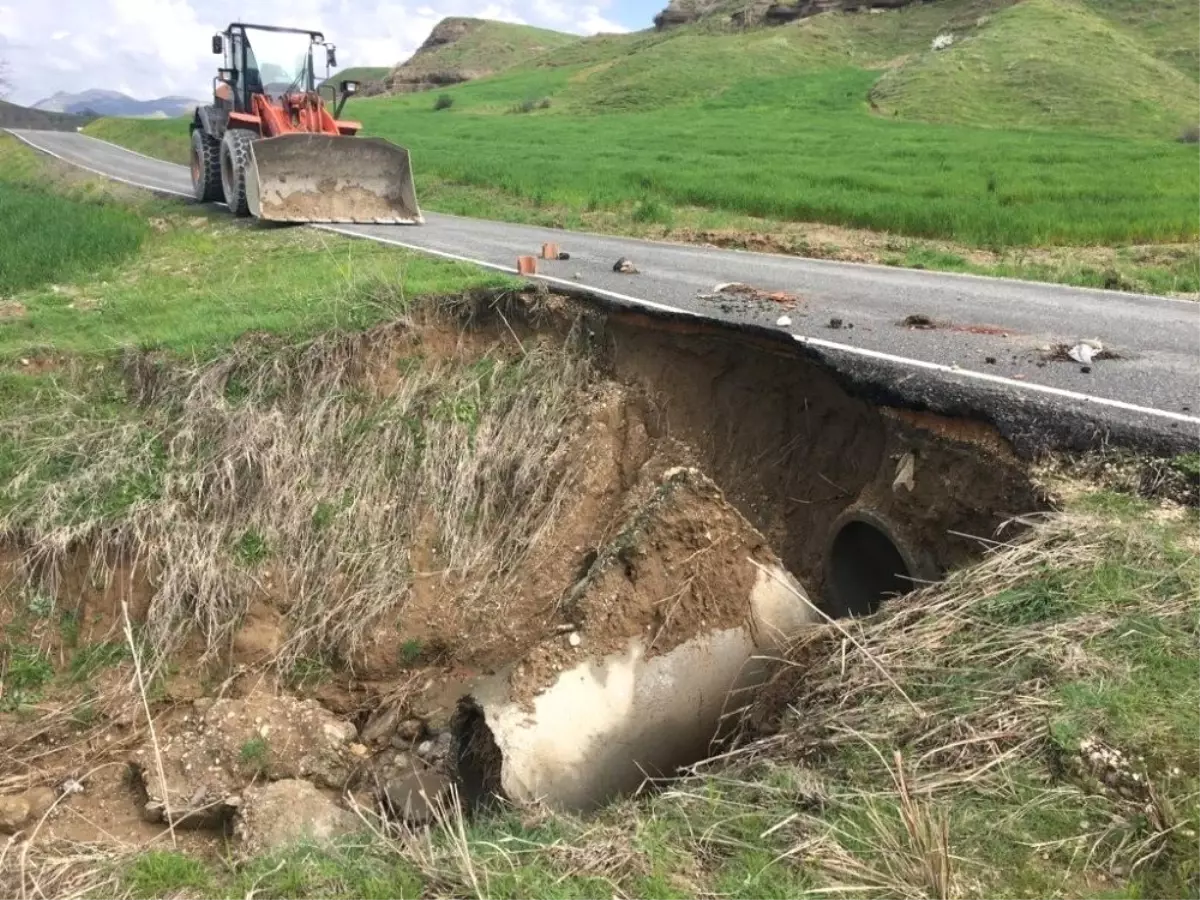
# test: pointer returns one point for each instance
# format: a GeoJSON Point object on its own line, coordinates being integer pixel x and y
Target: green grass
{"type": "Point", "coordinates": [361, 74]}
{"type": "Point", "coordinates": [161, 138]}
{"type": "Point", "coordinates": [1046, 64]}
{"type": "Point", "coordinates": [1051, 122]}
{"type": "Point", "coordinates": [815, 153]}
{"type": "Point", "coordinates": [201, 280]}
{"type": "Point", "coordinates": [47, 237]}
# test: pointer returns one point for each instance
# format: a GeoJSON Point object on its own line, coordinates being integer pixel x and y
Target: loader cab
{"type": "Point", "coordinates": [265, 59]}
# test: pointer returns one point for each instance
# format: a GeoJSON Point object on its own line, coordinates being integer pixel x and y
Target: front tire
{"type": "Point", "coordinates": [206, 167]}
{"type": "Point", "coordinates": [235, 161]}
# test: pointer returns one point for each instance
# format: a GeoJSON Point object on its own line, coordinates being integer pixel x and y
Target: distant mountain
{"type": "Point", "coordinates": [114, 103]}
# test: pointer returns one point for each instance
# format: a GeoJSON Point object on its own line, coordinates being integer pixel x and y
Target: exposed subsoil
{"type": "Point", "coordinates": [689, 449]}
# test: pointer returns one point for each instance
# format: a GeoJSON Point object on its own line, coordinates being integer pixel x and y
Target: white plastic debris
{"type": "Point", "coordinates": [1085, 351]}
{"type": "Point", "coordinates": [69, 787]}
{"type": "Point", "coordinates": [783, 321]}
{"type": "Point", "coordinates": [905, 473]}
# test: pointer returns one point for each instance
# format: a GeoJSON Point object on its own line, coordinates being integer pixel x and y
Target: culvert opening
{"type": "Point", "coordinates": [477, 758]}
{"type": "Point", "coordinates": [865, 569]}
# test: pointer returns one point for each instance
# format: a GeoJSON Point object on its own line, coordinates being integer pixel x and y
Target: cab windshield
{"type": "Point", "coordinates": [280, 62]}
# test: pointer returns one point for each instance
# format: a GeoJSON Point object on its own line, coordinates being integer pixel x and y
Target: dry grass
{"type": "Point", "coordinates": [309, 475]}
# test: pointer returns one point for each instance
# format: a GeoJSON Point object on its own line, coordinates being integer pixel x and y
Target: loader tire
{"type": "Point", "coordinates": [235, 159]}
{"type": "Point", "coordinates": [206, 167]}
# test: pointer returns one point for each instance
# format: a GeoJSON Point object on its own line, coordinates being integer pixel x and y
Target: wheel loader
{"type": "Point", "coordinates": [270, 148]}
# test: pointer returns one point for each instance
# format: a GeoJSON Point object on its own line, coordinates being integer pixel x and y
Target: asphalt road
{"type": "Point", "coordinates": [986, 355]}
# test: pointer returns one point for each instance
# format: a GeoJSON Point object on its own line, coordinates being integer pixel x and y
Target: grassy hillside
{"type": "Point", "coordinates": [361, 74]}
{"type": "Point", "coordinates": [726, 137]}
{"type": "Point", "coordinates": [470, 48]}
{"type": "Point", "coordinates": [161, 138]}
{"type": "Point", "coordinates": [1168, 26]}
{"type": "Point", "coordinates": [14, 116]}
{"type": "Point", "coordinates": [1046, 64]}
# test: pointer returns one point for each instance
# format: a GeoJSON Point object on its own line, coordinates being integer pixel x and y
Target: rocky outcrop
{"type": "Point", "coordinates": [763, 12]}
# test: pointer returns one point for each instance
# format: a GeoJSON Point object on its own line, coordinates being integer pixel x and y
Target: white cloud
{"type": "Point", "coordinates": [152, 48]}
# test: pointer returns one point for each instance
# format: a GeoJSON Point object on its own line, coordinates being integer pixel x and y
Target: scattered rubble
{"type": "Point", "coordinates": [195, 776]}
{"type": "Point", "coordinates": [735, 294]}
{"type": "Point", "coordinates": [1084, 352]}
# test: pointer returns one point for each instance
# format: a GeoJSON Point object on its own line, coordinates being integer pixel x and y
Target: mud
{"type": "Point", "coordinates": [695, 458]}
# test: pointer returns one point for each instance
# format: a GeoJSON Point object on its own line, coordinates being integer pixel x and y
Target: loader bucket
{"type": "Point", "coordinates": [331, 178]}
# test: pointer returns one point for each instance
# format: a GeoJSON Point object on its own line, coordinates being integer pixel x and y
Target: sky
{"type": "Point", "coordinates": [157, 48]}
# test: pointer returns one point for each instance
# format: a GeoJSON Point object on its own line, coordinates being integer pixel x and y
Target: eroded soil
{"type": "Point", "coordinates": [778, 450]}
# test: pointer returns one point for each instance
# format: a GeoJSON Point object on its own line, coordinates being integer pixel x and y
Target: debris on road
{"type": "Point", "coordinates": [990, 360]}
{"type": "Point", "coordinates": [922, 322]}
{"type": "Point", "coordinates": [783, 321]}
{"type": "Point", "coordinates": [737, 290]}
{"type": "Point", "coordinates": [1083, 352]}
{"type": "Point", "coordinates": [563, 255]}
{"type": "Point", "coordinates": [625, 266]}
{"type": "Point", "coordinates": [526, 265]}
{"type": "Point", "coordinates": [549, 251]}
{"type": "Point", "coordinates": [836, 323]}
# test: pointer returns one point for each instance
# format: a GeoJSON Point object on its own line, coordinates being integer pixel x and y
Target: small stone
{"type": "Point", "coordinates": [990, 360]}
{"type": "Point", "coordinates": [1086, 370]}
{"type": "Point", "coordinates": [625, 266]}
{"type": "Point", "coordinates": [835, 323]}
{"type": "Point", "coordinates": [410, 730]}
{"type": "Point", "coordinates": [22, 810]}
{"type": "Point", "coordinates": [414, 797]}
{"type": "Point", "coordinates": [289, 812]}
{"type": "Point", "coordinates": [359, 750]}
{"type": "Point", "coordinates": [574, 639]}
{"type": "Point", "coordinates": [564, 255]}
{"type": "Point", "coordinates": [783, 321]}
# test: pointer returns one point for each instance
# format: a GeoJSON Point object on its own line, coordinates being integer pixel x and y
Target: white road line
{"type": "Point", "coordinates": [638, 301]}
{"type": "Point", "coordinates": [110, 177]}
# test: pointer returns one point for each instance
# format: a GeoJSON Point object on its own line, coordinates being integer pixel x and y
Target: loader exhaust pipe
{"type": "Point", "coordinates": [331, 178]}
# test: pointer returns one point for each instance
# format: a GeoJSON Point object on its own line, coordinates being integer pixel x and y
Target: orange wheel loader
{"type": "Point", "coordinates": [268, 146]}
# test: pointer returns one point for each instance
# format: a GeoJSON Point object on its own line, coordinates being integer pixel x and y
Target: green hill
{"type": "Point", "coordinates": [1046, 64]}
{"type": "Point", "coordinates": [462, 49]}
{"type": "Point", "coordinates": [364, 75]}
{"type": "Point", "coordinates": [14, 116]}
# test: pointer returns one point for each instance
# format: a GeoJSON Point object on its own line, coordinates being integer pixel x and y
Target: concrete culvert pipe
{"type": "Point", "coordinates": [868, 561]}
{"type": "Point", "coordinates": [678, 620]}
{"type": "Point", "coordinates": [606, 725]}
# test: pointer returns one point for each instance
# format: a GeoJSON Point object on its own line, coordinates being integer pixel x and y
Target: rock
{"type": "Point", "coordinates": [229, 744]}
{"type": "Point", "coordinates": [288, 812]}
{"type": "Point", "coordinates": [18, 811]}
{"type": "Point", "coordinates": [436, 750]}
{"type": "Point", "coordinates": [835, 323]}
{"type": "Point", "coordinates": [414, 797]}
{"type": "Point", "coordinates": [563, 256]}
{"type": "Point", "coordinates": [625, 266]}
{"type": "Point", "coordinates": [410, 731]}
{"type": "Point", "coordinates": [573, 639]}
{"type": "Point", "coordinates": [381, 725]}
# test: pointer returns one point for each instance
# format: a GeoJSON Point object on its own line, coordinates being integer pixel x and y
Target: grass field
{"type": "Point", "coordinates": [48, 237]}
{"type": "Point", "coordinates": [198, 281]}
